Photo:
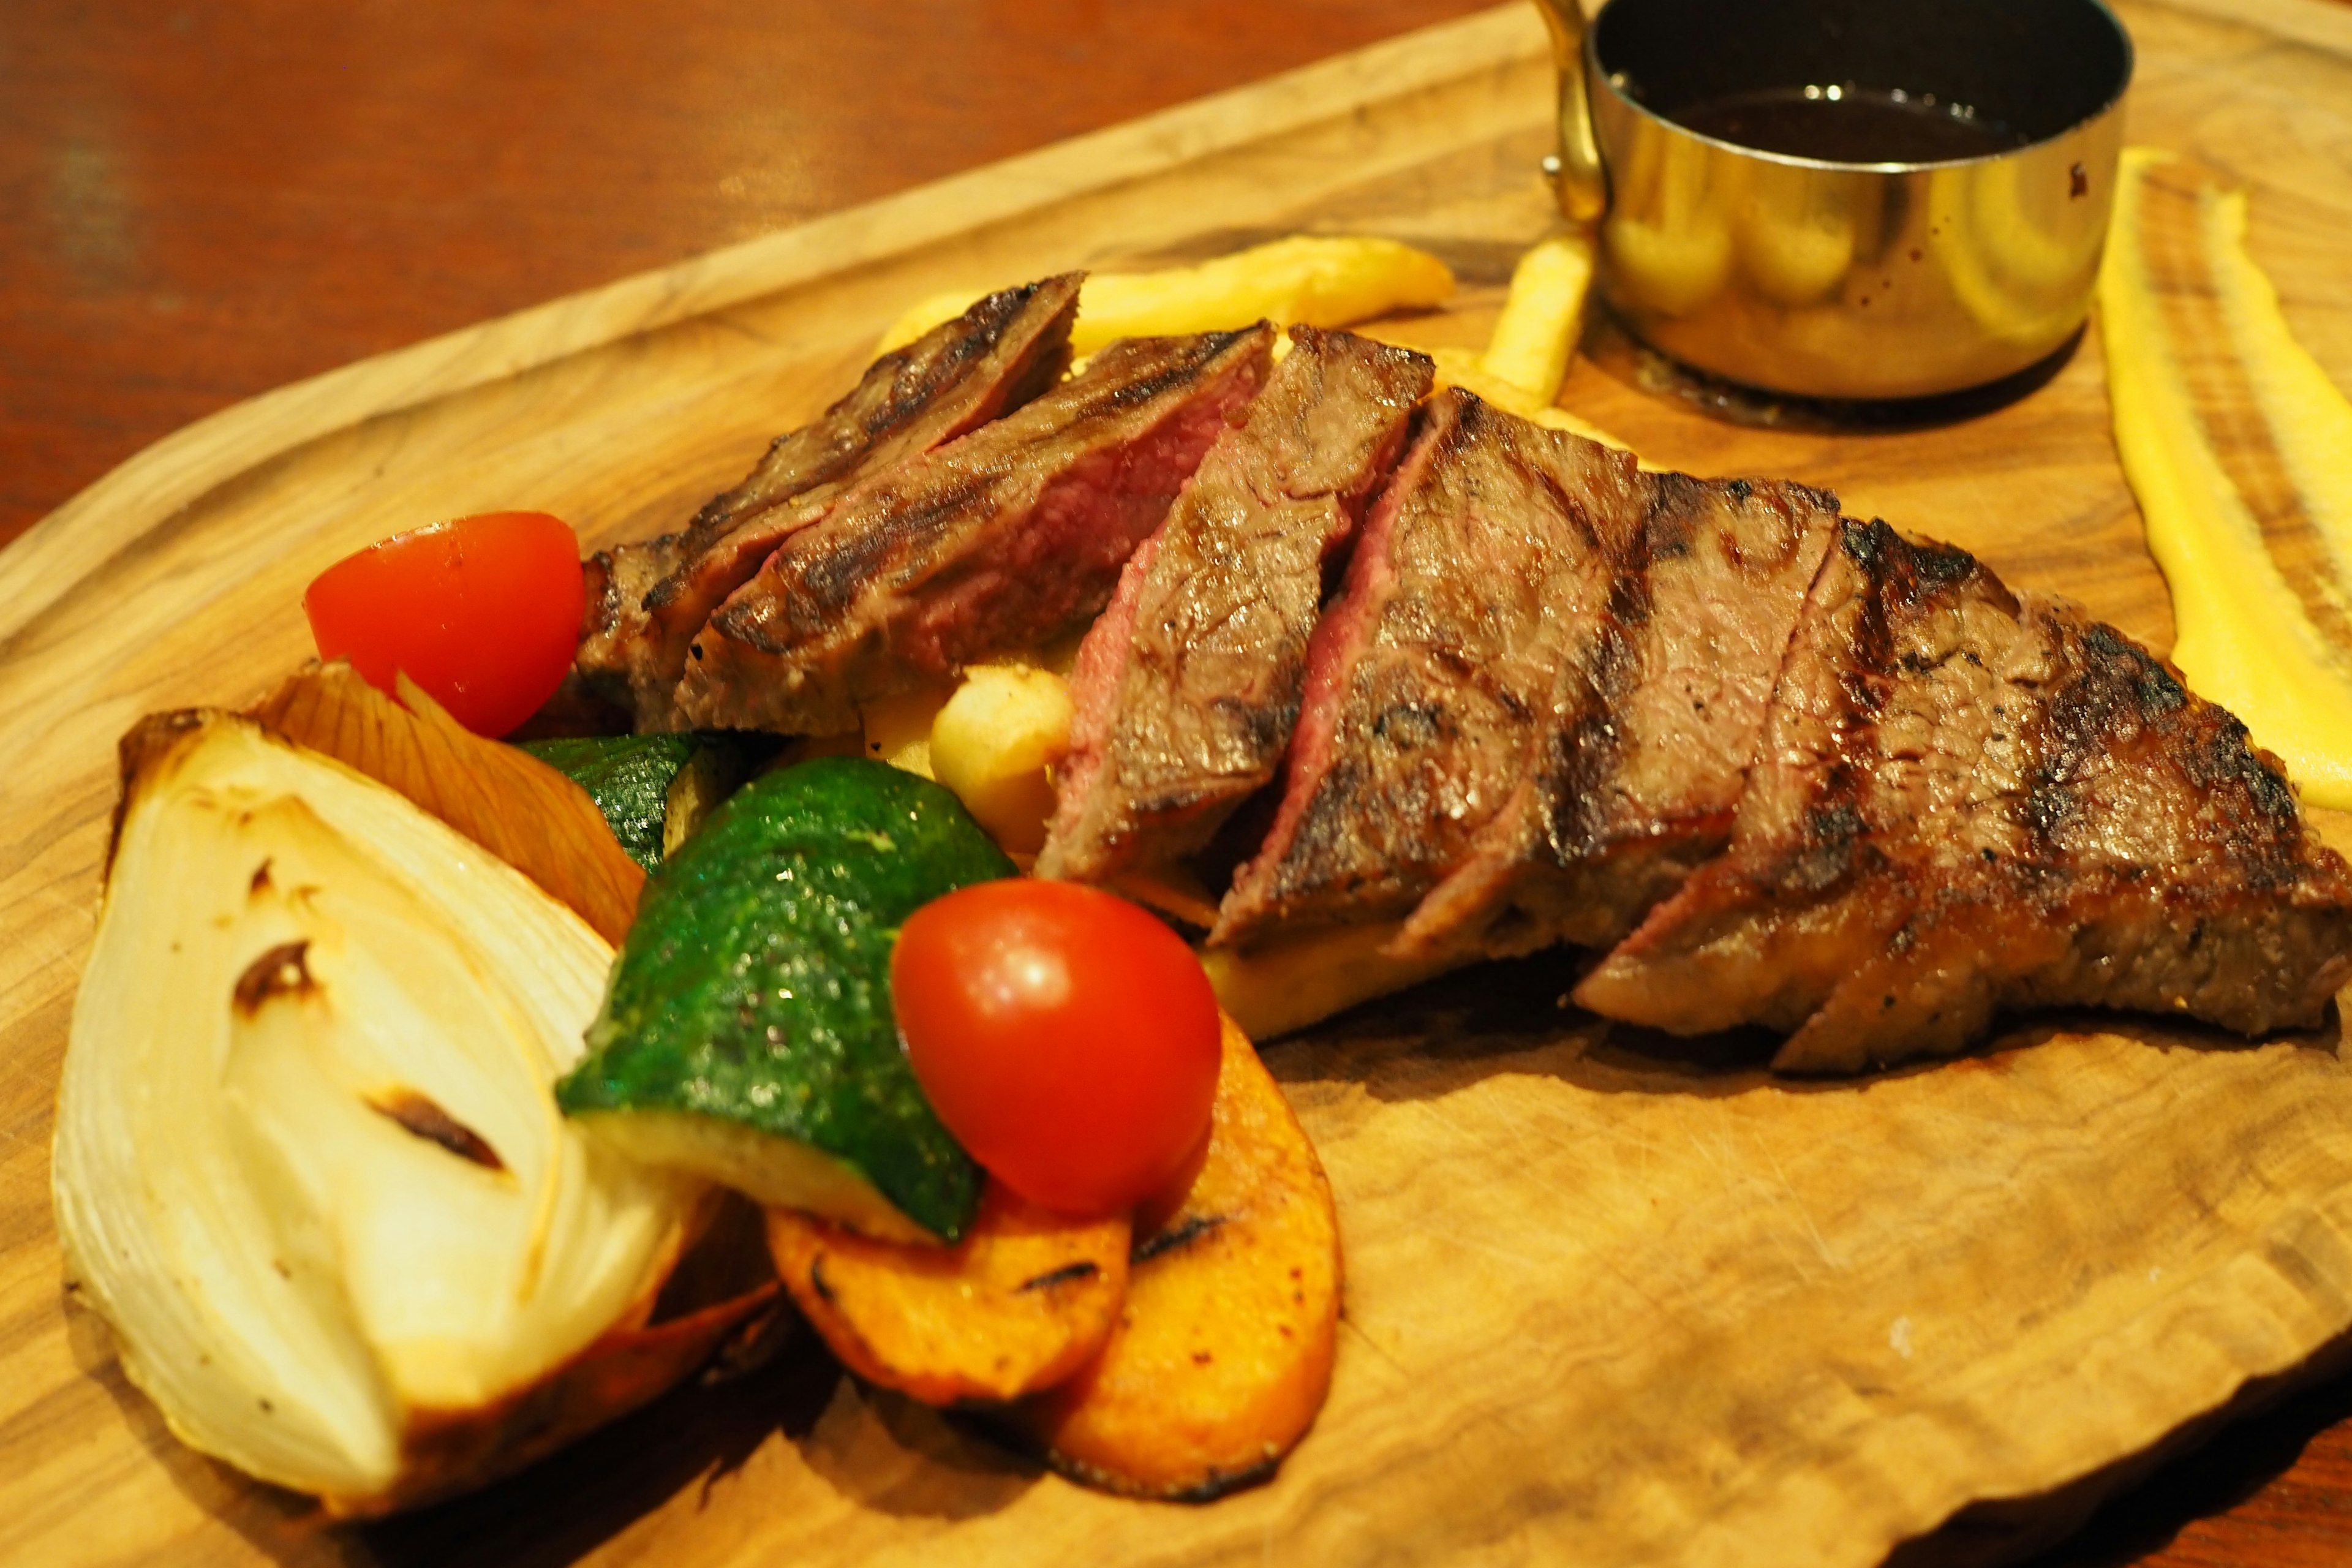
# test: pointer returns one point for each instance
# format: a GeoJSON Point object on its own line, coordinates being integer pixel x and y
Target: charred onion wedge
{"type": "Point", "coordinates": [308, 1164]}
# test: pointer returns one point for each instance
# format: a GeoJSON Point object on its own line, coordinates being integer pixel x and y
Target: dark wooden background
{"type": "Point", "coordinates": [200, 201]}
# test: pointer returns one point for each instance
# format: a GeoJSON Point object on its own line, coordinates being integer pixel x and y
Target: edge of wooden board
{"type": "Point", "coordinates": [163, 478]}
{"type": "Point", "coordinates": [66, 546]}
{"type": "Point", "coordinates": [182, 472]}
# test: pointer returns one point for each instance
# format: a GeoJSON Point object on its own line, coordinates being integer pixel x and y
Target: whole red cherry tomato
{"type": "Point", "coordinates": [1069, 1040]}
{"type": "Point", "coordinates": [483, 613]}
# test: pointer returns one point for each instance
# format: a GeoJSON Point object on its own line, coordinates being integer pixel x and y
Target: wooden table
{"type": "Point", "coordinates": [206, 201]}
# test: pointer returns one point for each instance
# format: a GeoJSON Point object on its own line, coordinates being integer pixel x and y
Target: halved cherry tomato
{"type": "Point", "coordinates": [1068, 1039]}
{"type": "Point", "coordinates": [483, 613]}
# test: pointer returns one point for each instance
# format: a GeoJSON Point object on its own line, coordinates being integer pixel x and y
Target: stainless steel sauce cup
{"type": "Point", "coordinates": [1836, 279]}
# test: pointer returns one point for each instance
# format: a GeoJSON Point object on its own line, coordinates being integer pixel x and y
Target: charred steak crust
{"type": "Point", "coordinates": [999, 354]}
{"type": "Point", "coordinates": [1188, 686]}
{"type": "Point", "coordinates": [1004, 539]}
{"type": "Point", "coordinates": [1432, 680]}
{"type": "Point", "coordinates": [617, 580]}
{"type": "Point", "coordinates": [1015, 342]}
{"type": "Point", "coordinates": [1832, 780]}
{"type": "Point", "coordinates": [1854, 756]}
{"type": "Point", "coordinates": [1652, 738]}
{"type": "Point", "coordinates": [1969, 801]}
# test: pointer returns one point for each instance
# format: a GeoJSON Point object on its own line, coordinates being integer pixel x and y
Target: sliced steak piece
{"type": "Point", "coordinates": [1188, 686]}
{"type": "Point", "coordinates": [1003, 540]}
{"type": "Point", "coordinates": [1967, 801]}
{"type": "Point", "coordinates": [996, 356]}
{"type": "Point", "coordinates": [1638, 781]}
{"type": "Point", "coordinates": [1481, 578]}
{"type": "Point", "coordinates": [2137, 853]}
{"type": "Point", "coordinates": [1881, 711]}
{"type": "Point", "coordinates": [615, 623]}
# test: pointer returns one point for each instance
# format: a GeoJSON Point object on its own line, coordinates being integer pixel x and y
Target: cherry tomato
{"type": "Point", "coordinates": [1069, 1040]}
{"type": "Point", "coordinates": [483, 613]}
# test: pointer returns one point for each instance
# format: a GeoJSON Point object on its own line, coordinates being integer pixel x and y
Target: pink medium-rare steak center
{"type": "Point", "coordinates": [1004, 539]}
{"type": "Point", "coordinates": [1186, 689]}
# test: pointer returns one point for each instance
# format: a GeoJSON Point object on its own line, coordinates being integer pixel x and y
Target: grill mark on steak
{"type": "Point", "coordinates": [1187, 689]}
{"type": "Point", "coordinates": [1431, 682]}
{"type": "Point", "coordinates": [1853, 756]}
{"type": "Point", "coordinates": [1969, 801]}
{"type": "Point", "coordinates": [997, 356]}
{"type": "Point", "coordinates": [2160, 865]}
{"type": "Point", "coordinates": [1004, 539]}
{"type": "Point", "coordinates": [1643, 768]}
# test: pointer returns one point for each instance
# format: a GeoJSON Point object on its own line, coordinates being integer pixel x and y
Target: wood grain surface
{"type": "Point", "coordinates": [1875, 1327]}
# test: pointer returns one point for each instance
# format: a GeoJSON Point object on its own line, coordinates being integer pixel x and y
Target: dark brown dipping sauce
{"type": "Point", "coordinates": [1860, 125]}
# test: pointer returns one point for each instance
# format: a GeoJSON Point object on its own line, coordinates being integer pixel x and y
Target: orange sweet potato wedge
{"type": "Point", "coordinates": [1222, 1352]}
{"type": "Point", "coordinates": [1023, 1301]}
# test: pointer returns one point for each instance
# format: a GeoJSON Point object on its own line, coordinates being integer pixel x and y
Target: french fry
{"type": "Point", "coordinates": [1322, 282]}
{"type": "Point", "coordinates": [1536, 337]}
{"type": "Point", "coordinates": [1222, 1352]}
{"type": "Point", "coordinates": [1025, 1300]}
{"type": "Point", "coordinates": [993, 743]}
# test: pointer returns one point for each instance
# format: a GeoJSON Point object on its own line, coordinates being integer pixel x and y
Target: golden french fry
{"type": "Point", "coordinates": [993, 743]}
{"type": "Point", "coordinates": [1323, 281]}
{"type": "Point", "coordinates": [991, 738]}
{"type": "Point", "coordinates": [1536, 337]}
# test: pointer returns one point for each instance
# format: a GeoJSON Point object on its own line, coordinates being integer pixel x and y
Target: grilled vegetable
{"type": "Point", "coordinates": [1023, 1301]}
{"type": "Point", "coordinates": [520, 809]}
{"type": "Point", "coordinates": [308, 1160]}
{"type": "Point", "coordinates": [482, 612]}
{"type": "Point", "coordinates": [654, 790]}
{"type": "Point", "coordinates": [1223, 1354]}
{"type": "Point", "coordinates": [749, 1034]}
{"type": "Point", "coordinates": [1066, 1037]}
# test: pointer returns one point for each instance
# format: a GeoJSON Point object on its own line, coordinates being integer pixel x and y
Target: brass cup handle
{"type": "Point", "coordinates": [1583, 192]}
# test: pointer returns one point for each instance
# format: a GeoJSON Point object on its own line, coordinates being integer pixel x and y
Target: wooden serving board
{"type": "Point", "coordinates": [1605, 1302]}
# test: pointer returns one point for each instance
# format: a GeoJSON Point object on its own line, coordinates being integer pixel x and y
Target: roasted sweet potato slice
{"type": "Point", "coordinates": [1021, 1302]}
{"type": "Point", "coordinates": [1223, 1353]}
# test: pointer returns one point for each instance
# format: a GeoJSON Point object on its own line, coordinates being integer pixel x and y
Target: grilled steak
{"type": "Point", "coordinates": [1652, 741]}
{"type": "Point", "coordinates": [1968, 800]}
{"type": "Point", "coordinates": [617, 580]}
{"type": "Point", "coordinates": [1002, 539]}
{"type": "Point", "coordinates": [996, 356]}
{"type": "Point", "coordinates": [1188, 686]}
{"type": "Point", "coordinates": [1481, 577]}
